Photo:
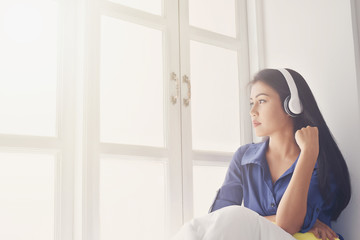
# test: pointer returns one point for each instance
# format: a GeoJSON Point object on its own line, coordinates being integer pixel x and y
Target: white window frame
{"type": "Point", "coordinates": [93, 149]}
{"type": "Point", "coordinates": [77, 147]}
{"type": "Point", "coordinates": [238, 44]}
{"type": "Point", "coordinates": [62, 145]}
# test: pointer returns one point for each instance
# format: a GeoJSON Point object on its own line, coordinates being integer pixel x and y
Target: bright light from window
{"type": "Point", "coordinates": [28, 67]}
{"type": "Point", "coordinates": [23, 22]}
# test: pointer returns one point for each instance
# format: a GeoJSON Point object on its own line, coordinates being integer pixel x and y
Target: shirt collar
{"type": "Point", "coordinates": [255, 154]}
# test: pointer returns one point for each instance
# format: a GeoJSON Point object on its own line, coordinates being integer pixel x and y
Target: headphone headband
{"type": "Point", "coordinates": [292, 103]}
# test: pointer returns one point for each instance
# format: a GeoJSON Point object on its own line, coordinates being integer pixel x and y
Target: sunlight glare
{"type": "Point", "coordinates": [23, 23]}
{"type": "Point", "coordinates": [29, 46]}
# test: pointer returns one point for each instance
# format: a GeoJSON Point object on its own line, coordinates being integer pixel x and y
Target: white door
{"type": "Point", "coordinates": [133, 153]}
{"type": "Point", "coordinates": [214, 60]}
{"type": "Point", "coordinates": [159, 121]}
{"type": "Point", "coordinates": [157, 131]}
{"type": "Point", "coordinates": [37, 127]}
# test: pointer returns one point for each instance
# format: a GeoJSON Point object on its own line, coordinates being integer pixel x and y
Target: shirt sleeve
{"type": "Point", "coordinates": [231, 192]}
{"type": "Point", "coordinates": [317, 208]}
{"type": "Point", "coordinates": [315, 203]}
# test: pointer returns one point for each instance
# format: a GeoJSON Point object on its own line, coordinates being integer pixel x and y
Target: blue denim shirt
{"type": "Point", "coordinates": [248, 179]}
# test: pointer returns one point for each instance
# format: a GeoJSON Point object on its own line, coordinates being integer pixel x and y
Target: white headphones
{"type": "Point", "coordinates": [292, 103]}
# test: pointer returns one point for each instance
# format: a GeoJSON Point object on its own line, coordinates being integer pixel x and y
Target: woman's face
{"type": "Point", "coordinates": [267, 114]}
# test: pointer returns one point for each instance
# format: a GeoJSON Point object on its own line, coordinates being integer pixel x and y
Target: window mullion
{"type": "Point", "coordinates": [68, 131]}
{"type": "Point", "coordinates": [90, 215]}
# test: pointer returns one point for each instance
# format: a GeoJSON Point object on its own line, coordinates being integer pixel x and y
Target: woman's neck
{"type": "Point", "coordinates": [283, 146]}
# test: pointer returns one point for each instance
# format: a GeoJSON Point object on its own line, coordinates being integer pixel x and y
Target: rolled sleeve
{"type": "Point", "coordinates": [312, 213]}
{"type": "Point", "coordinates": [231, 192]}
{"type": "Point", "coordinates": [227, 195]}
{"type": "Point", "coordinates": [315, 203]}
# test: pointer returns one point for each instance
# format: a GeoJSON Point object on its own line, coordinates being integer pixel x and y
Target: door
{"type": "Point", "coordinates": [214, 57]}
{"type": "Point", "coordinates": [133, 148]}
{"type": "Point", "coordinates": [156, 129]}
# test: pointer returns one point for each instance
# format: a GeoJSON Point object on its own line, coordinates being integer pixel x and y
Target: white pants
{"type": "Point", "coordinates": [231, 223]}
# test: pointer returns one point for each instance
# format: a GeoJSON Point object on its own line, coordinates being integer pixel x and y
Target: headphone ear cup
{"type": "Point", "coordinates": [286, 107]}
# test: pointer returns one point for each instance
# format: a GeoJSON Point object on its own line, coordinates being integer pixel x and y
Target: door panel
{"type": "Point", "coordinates": [28, 67]}
{"type": "Point", "coordinates": [215, 98]}
{"type": "Point", "coordinates": [131, 84]}
{"type": "Point", "coordinates": [213, 15]}
{"type": "Point", "coordinates": [132, 197]}
{"type": "Point", "coordinates": [27, 196]}
{"type": "Point", "coordinates": [134, 153]}
{"type": "Point", "coordinates": [207, 180]}
{"type": "Point", "coordinates": [214, 124]}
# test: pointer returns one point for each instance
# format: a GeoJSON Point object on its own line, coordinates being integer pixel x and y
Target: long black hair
{"type": "Point", "coordinates": [331, 163]}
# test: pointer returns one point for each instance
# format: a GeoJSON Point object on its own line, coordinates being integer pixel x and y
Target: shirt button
{"type": "Point", "coordinates": [317, 210]}
{"type": "Point", "coordinates": [272, 205]}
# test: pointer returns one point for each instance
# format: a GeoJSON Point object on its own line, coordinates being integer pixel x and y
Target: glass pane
{"type": "Point", "coordinates": [207, 180]}
{"type": "Point", "coordinates": [213, 15]}
{"type": "Point", "coordinates": [132, 199]}
{"type": "Point", "coordinates": [28, 67]}
{"type": "Point", "coordinates": [131, 87]}
{"type": "Point", "coordinates": [215, 98]}
{"type": "Point", "coordinates": [27, 196]}
{"type": "Point", "coordinates": [151, 6]}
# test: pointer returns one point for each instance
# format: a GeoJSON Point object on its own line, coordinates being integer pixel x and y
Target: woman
{"type": "Point", "coordinates": [297, 177]}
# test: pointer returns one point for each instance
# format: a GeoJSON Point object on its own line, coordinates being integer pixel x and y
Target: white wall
{"type": "Point", "coordinates": [315, 38]}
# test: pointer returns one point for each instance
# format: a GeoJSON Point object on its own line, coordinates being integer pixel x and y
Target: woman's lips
{"type": "Point", "coordinates": [256, 123]}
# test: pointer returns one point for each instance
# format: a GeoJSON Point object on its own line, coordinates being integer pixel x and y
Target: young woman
{"type": "Point", "coordinates": [297, 177]}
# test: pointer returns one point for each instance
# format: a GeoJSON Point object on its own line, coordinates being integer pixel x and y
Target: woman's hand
{"type": "Point", "coordinates": [323, 231]}
{"type": "Point", "coordinates": [308, 140]}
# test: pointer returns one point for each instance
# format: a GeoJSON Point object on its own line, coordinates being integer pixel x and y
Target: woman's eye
{"type": "Point", "coordinates": [251, 104]}
{"type": "Point", "coordinates": [262, 101]}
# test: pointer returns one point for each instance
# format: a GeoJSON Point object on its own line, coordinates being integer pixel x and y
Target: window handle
{"type": "Point", "coordinates": [187, 81]}
{"type": "Point", "coordinates": [173, 77]}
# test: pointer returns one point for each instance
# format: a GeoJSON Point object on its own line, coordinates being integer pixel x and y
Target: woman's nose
{"type": "Point", "coordinates": [253, 111]}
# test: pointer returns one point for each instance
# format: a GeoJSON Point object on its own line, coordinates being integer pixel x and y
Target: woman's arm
{"type": "Point", "coordinates": [231, 192]}
{"type": "Point", "coordinates": [293, 205]}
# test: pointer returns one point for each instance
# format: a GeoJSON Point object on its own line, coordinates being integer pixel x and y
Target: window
{"type": "Point", "coordinates": [37, 119]}
{"type": "Point", "coordinates": [28, 67]}
{"type": "Point", "coordinates": [118, 118]}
